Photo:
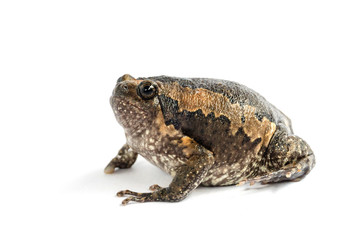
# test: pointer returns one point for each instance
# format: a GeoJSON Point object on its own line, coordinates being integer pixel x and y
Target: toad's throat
{"type": "Point", "coordinates": [128, 114]}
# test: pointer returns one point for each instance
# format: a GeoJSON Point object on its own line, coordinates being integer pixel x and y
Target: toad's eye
{"type": "Point", "coordinates": [147, 90]}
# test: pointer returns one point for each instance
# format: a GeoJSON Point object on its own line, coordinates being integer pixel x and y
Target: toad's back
{"type": "Point", "coordinates": [208, 92]}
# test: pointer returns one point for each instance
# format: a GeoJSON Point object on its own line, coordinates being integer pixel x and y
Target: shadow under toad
{"type": "Point", "coordinates": [137, 178]}
{"type": "Point", "coordinates": [142, 175]}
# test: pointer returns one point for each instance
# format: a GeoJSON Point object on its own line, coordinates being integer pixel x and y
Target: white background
{"type": "Point", "coordinates": [60, 60]}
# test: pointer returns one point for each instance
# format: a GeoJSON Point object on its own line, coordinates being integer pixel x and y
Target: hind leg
{"type": "Point", "coordinates": [288, 158]}
{"type": "Point", "coordinates": [293, 173]}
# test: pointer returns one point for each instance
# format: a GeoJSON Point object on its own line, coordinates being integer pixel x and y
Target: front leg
{"type": "Point", "coordinates": [187, 178]}
{"type": "Point", "coordinates": [125, 158]}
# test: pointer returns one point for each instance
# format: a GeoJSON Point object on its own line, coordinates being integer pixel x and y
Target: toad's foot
{"type": "Point", "coordinates": [125, 158]}
{"type": "Point", "coordinates": [160, 194]}
{"type": "Point", "coordinates": [138, 197]}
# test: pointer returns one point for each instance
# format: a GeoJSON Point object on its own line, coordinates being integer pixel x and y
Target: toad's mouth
{"type": "Point", "coordinates": [121, 103]}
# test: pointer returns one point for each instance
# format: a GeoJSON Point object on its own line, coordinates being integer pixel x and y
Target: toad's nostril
{"type": "Point", "coordinates": [121, 89]}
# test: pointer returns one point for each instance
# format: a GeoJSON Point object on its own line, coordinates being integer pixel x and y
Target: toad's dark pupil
{"type": "Point", "coordinates": [147, 89]}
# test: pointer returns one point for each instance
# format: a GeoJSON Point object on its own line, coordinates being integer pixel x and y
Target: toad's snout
{"type": "Point", "coordinates": [120, 89]}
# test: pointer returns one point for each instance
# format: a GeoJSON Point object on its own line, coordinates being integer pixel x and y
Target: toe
{"type": "Point", "coordinates": [155, 187]}
{"type": "Point", "coordinates": [110, 168]}
{"type": "Point", "coordinates": [127, 200]}
{"type": "Point", "coordinates": [127, 192]}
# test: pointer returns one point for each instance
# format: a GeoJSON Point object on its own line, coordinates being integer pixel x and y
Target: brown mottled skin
{"type": "Point", "coordinates": [204, 131]}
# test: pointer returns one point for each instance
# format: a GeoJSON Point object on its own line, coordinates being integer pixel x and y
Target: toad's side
{"type": "Point", "coordinates": [204, 131]}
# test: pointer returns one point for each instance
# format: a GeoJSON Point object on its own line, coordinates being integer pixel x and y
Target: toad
{"type": "Point", "coordinates": [205, 132]}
